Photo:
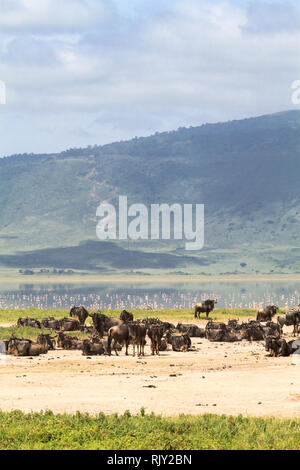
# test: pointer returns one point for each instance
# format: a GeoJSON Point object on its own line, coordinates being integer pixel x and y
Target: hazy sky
{"type": "Point", "coordinates": [82, 72]}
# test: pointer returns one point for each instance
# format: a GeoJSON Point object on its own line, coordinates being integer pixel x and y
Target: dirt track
{"type": "Point", "coordinates": [218, 378]}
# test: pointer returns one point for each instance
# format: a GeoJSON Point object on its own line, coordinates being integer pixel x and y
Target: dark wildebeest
{"type": "Point", "coordinates": [204, 307]}
{"type": "Point", "coordinates": [192, 330]}
{"type": "Point", "coordinates": [163, 344]}
{"type": "Point", "coordinates": [25, 347]}
{"type": "Point", "coordinates": [215, 331]}
{"type": "Point", "coordinates": [118, 334]}
{"type": "Point", "coordinates": [103, 323]}
{"type": "Point", "coordinates": [266, 314]}
{"type": "Point", "coordinates": [90, 348]}
{"type": "Point", "coordinates": [69, 342]}
{"type": "Point", "coordinates": [155, 333]}
{"type": "Point", "coordinates": [137, 333]}
{"type": "Point", "coordinates": [80, 313]}
{"type": "Point", "coordinates": [50, 324]}
{"type": "Point", "coordinates": [179, 343]}
{"type": "Point", "coordinates": [29, 322]}
{"type": "Point", "coordinates": [126, 317]}
{"type": "Point", "coordinates": [272, 329]}
{"type": "Point", "coordinates": [69, 324]}
{"type": "Point", "coordinates": [46, 340]}
{"type": "Point", "coordinates": [279, 347]}
{"type": "Point", "coordinates": [291, 318]}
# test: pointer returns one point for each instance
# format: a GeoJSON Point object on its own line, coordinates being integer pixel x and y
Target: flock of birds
{"type": "Point", "coordinates": [173, 299]}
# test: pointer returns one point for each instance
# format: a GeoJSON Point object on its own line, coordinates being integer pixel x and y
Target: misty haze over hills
{"type": "Point", "coordinates": [245, 172]}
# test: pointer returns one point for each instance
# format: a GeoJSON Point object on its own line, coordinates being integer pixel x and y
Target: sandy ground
{"type": "Point", "coordinates": [215, 378]}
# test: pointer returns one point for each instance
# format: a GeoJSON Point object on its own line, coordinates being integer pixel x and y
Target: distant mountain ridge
{"type": "Point", "coordinates": [245, 172]}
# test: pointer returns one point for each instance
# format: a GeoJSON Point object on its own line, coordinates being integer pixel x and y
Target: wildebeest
{"type": "Point", "coordinates": [179, 343]}
{"type": "Point", "coordinates": [29, 322]}
{"type": "Point", "coordinates": [155, 333]}
{"type": "Point", "coordinates": [118, 334]}
{"type": "Point", "coordinates": [69, 342]}
{"type": "Point", "coordinates": [69, 324]}
{"type": "Point", "coordinates": [155, 321]}
{"type": "Point", "coordinates": [215, 331]}
{"type": "Point", "coordinates": [90, 348]}
{"type": "Point", "coordinates": [204, 307]}
{"type": "Point", "coordinates": [220, 332]}
{"type": "Point", "coordinates": [80, 313]}
{"type": "Point", "coordinates": [46, 340]}
{"type": "Point", "coordinates": [163, 344]}
{"type": "Point", "coordinates": [137, 333]}
{"type": "Point", "coordinates": [266, 314]}
{"type": "Point", "coordinates": [280, 347]}
{"type": "Point", "coordinates": [102, 323]}
{"type": "Point", "coordinates": [192, 330]}
{"type": "Point", "coordinates": [272, 329]}
{"type": "Point", "coordinates": [253, 331]}
{"type": "Point", "coordinates": [50, 324]}
{"type": "Point", "coordinates": [291, 318]}
{"type": "Point", "coordinates": [25, 347]}
{"type": "Point", "coordinates": [126, 317]}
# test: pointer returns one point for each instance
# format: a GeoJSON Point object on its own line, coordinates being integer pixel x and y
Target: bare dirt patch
{"type": "Point", "coordinates": [215, 378]}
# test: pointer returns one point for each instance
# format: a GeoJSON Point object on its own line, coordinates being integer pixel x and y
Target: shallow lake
{"type": "Point", "coordinates": [158, 295]}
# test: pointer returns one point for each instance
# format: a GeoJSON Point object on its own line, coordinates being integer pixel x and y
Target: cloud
{"type": "Point", "coordinates": [273, 17]}
{"type": "Point", "coordinates": [16, 15]}
{"type": "Point", "coordinates": [115, 75]}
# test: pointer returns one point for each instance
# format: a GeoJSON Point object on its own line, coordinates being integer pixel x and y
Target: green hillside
{"type": "Point", "coordinates": [245, 172]}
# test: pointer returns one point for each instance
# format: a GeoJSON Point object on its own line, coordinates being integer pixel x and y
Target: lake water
{"type": "Point", "coordinates": [159, 296]}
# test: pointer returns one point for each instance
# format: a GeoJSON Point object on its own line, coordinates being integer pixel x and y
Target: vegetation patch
{"type": "Point", "coordinates": [149, 432]}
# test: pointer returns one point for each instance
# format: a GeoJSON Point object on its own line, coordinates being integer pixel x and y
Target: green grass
{"type": "Point", "coordinates": [180, 315]}
{"type": "Point", "coordinates": [149, 432]}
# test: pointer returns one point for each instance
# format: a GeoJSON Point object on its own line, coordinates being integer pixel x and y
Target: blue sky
{"type": "Point", "coordinates": [84, 72]}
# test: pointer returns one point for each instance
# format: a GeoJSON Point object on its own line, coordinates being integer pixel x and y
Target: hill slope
{"type": "Point", "coordinates": [245, 172]}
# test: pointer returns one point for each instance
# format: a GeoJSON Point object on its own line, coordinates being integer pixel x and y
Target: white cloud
{"type": "Point", "coordinates": [52, 14]}
{"type": "Point", "coordinates": [196, 61]}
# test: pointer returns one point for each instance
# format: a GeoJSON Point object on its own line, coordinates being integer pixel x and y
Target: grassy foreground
{"type": "Point", "coordinates": [149, 432]}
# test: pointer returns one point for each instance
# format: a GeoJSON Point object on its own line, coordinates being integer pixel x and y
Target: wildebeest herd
{"type": "Point", "coordinates": [108, 333]}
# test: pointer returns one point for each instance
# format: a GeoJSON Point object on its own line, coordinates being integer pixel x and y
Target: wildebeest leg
{"type": "Point", "coordinates": [133, 343]}
{"type": "Point", "coordinates": [127, 343]}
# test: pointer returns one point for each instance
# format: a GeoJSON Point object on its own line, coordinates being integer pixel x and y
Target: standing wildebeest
{"type": "Point", "coordinates": [291, 318]}
{"type": "Point", "coordinates": [118, 334]}
{"type": "Point", "coordinates": [267, 313]}
{"type": "Point", "coordinates": [137, 333]}
{"type": "Point", "coordinates": [103, 323]}
{"type": "Point", "coordinates": [80, 313]}
{"type": "Point", "coordinates": [126, 317]}
{"type": "Point", "coordinates": [204, 307]}
{"type": "Point", "coordinates": [155, 333]}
